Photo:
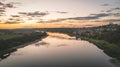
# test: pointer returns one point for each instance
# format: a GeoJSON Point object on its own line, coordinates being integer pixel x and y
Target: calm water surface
{"type": "Point", "coordinates": [58, 50]}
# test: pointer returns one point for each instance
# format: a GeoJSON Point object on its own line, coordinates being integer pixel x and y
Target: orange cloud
{"type": "Point", "coordinates": [66, 24]}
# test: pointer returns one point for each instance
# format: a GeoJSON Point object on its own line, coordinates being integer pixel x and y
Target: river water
{"type": "Point", "coordinates": [58, 50]}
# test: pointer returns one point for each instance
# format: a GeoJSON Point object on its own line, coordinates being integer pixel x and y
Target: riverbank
{"type": "Point", "coordinates": [17, 41]}
{"type": "Point", "coordinates": [5, 53]}
{"type": "Point", "coordinates": [110, 49]}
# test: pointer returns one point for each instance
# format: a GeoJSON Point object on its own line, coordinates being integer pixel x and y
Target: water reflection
{"type": "Point", "coordinates": [6, 53]}
{"type": "Point", "coordinates": [60, 35]}
{"type": "Point", "coordinates": [42, 43]}
{"type": "Point", "coordinates": [115, 62]}
{"type": "Point", "coordinates": [61, 45]}
{"type": "Point", "coordinates": [58, 51]}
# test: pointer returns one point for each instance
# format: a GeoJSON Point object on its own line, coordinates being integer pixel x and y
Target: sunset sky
{"type": "Point", "coordinates": [58, 13]}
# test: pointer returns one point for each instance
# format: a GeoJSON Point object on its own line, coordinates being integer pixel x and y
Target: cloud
{"type": "Point", "coordinates": [113, 9]}
{"type": "Point", "coordinates": [9, 22]}
{"type": "Point", "coordinates": [97, 16]}
{"type": "Point", "coordinates": [34, 14]}
{"type": "Point", "coordinates": [91, 17]}
{"type": "Point", "coordinates": [12, 4]}
{"type": "Point", "coordinates": [58, 20]}
{"type": "Point", "coordinates": [1, 4]}
{"type": "Point", "coordinates": [105, 5]}
{"type": "Point", "coordinates": [108, 20]}
{"type": "Point", "coordinates": [4, 5]}
{"type": "Point", "coordinates": [2, 14]}
{"type": "Point", "coordinates": [61, 12]}
{"type": "Point", "coordinates": [112, 20]}
{"type": "Point", "coordinates": [83, 18]}
{"type": "Point", "coordinates": [9, 5]}
{"type": "Point", "coordinates": [15, 15]}
{"type": "Point", "coordinates": [100, 15]}
{"type": "Point", "coordinates": [23, 13]}
{"type": "Point", "coordinates": [2, 10]}
{"type": "Point", "coordinates": [37, 14]}
{"type": "Point", "coordinates": [53, 21]}
{"type": "Point", "coordinates": [13, 21]}
{"type": "Point", "coordinates": [109, 10]}
{"type": "Point", "coordinates": [115, 14]}
{"type": "Point", "coordinates": [117, 8]}
{"type": "Point", "coordinates": [17, 3]}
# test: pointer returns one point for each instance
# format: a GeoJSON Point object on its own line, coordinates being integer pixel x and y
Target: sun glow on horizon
{"type": "Point", "coordinates": [58, 13]}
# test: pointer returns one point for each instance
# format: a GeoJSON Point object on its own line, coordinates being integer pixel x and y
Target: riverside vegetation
{"type": "Point", "coordinates": [105, 37]}
{"type": "Point", "coordinates": [10, 39]}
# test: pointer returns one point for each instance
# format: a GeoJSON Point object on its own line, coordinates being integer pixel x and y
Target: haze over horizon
{"type": "Point", "coordinates": [58, 13]}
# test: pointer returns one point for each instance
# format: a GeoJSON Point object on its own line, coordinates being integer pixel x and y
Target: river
{"type": "Point", "coordinates": [58, 50]}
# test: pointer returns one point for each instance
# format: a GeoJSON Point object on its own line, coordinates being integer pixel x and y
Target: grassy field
{"type": "Point", "coordinates": [8, 36]}
{"type": "Point", "coordinates": [11, 40]}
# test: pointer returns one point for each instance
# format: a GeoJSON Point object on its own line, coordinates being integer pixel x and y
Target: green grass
{"type": "Point", "coordinates": [10, 40]}
{"type": "Point", "coordinates": [111, 49]}
{"type": "Point", "coordinates": [8, 36]}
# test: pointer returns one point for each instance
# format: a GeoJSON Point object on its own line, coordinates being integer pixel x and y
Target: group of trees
{"type": "Point", "coordinates": [108, 33]}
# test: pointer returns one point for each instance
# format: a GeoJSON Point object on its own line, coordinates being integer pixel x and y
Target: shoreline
{"type": "Point", "coordinates": [17, 41]}
{"type": "Point", "coordinates": [114, 60]}
{"type": "Point", "coordinates": [108, 48]}
{"type": "Point", "coordinates": [23, 45]}
{"type": "Point", "coordinates": [104, 46]}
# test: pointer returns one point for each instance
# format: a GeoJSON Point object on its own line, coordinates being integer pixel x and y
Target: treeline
{"type": "Point", "coordinates": [24, 38]}
{"type": "Point", "coordinates": [108, 33]}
